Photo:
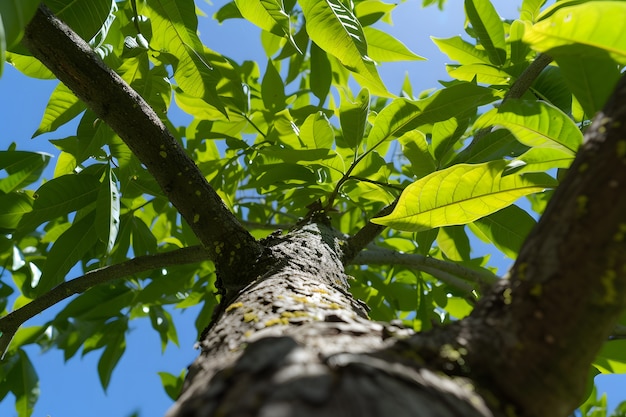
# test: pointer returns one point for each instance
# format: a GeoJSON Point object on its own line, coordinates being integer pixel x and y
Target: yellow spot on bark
{"type": "Point", "coordinates": [234, 306]}
{"type": "Point", "coordinates": [619, 235]}
{"type": "Point", "coordinates": [163, 154]}
{"type": "Point", "coordinates": [248, 317]}
{"type": "Point", "coordinates": [273, 322]}
{"type": "Point", "coordinates": [334, 306]}
{"type": "Point", "coordinates": [196, 218]}
{"type": "Point", "coordinates": [583, 167]}
{"type": "Point", "coordinates": [621, 148]}
{"type": "Point", "coordinates": [320, 290]}
{"type": "Point", "coordinates": [507, 296]}
{"type": "Point", "coordinates": [198, 193]}
{"type": "Point", "coordinates": [301, 299]}
{"type": "Point", "coordinates": [536, 290]}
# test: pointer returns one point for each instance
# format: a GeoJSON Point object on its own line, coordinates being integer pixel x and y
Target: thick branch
{"type": "Point", "coordinates": [12, 321]}
{"type": "Point", "coordinates": [448, 272]}
{"type": "Point", "coordinates": [117, 104]}
{"type": "Point", "coordinates": [568, 286]}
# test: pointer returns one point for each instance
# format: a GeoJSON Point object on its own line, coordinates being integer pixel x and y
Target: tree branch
{"type": "Point", "coordinates": [448, 272]}
{"type": "Point", "coordinates": [568, 286]}
{"type": "Point", "coordinates": [12, 321]}
{"type": "Point", "coordinates": [74, 63]}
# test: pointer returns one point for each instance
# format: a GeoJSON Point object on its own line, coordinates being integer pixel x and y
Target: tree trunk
{"type": "Point", "coordinates": [296, 343]}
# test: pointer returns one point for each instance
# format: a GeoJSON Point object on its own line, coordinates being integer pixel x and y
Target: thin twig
{"type": "Point", "coordinates": [12, 321]}
{"type": "Point", "coordinates": [381, 256]}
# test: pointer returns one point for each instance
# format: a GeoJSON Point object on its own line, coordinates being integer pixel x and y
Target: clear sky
{"type": "Point", "coordinates": [72, 389]}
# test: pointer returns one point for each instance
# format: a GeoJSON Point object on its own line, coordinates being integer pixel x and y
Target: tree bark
{"type": "Point", "coordinates": [295, 343]}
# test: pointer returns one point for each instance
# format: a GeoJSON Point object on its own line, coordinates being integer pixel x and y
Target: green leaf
{"type": "Point", "coordinates": [482, 73]}
{"type": "Point", "coordinates": [86, 18]}
{"type": "Point", "coordinates": [172, 384]}
{"type": "Point", "coordinates": [14, 16]}
{"type": "Point", "coordinates": [459, 195]}
{"type": "Point", "coordinates": [25, 336]}
{"type": "Point", "coordinates": [68, 249]}
{"type": "Point", "coordinates": [461, 51]}
{"type": "Point", "coordinates": [454, 243]}
{"type": "Point", "coordinates": [506, 229]}
{"type": "Point", "coordinates": [530, 10]}
{"type": "Point", "coordinates": [59, 197]}
{"type": "Point", "coordinates": [316, 132]}
{"type": "Point", "coordinates": [550, 86]}
{"type": "Point", "coordinates": [415, 148]}
{"type": "Point", "coordinates": [98, 304]}
{"type": "Point", "coordinates": [108, 211]}
{"type": "Point", "coordinates": [30, 66]}
{"type": "Point", "coordinates": [612, 357]}
{"type": "Point", "coordinates": [597, 24]}
{"type": "Point", "coordinates": [540, 160]}
{"type": "Point", "coordinates": [371, 11]}
{"type": "Point", "coordinates": [62, 107]}
{"type": "Point", "coordinates": [228, 11]}
{"type": "Point", "coordinates": [269, 15]}
{"type": "Point", "coordinates": [162, 322]}
{"type": "Point", "coordinates": [402, 115]}
{"type": "Point", "coordinates": [321, 73]}
{"type": "Point", "coordinates": [535, 124]}
{"type": "Point", "coordinates": [488, 27]}
{"type": "Point", "coordinates": [382, 47]}
{"type": "Point", "coordinates": [335, 29]}
{"type": "Point", "coordinates": [273, 89]}
{"type": "Point", "coordinates": [14, 206]}
{"type": "Point", "coordinates": [174, 27]}
{"type": "Point", "coordinates": [115, 347]}
{"type": "Point", "coordinates": [23, 168]}
{"type": "Point", "coordinates": [24, 385]}
{"type": "Point", "coordinates": [353, 118]}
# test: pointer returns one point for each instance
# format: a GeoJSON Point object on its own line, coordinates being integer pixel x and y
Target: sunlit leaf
{"type": "Point", "coordinates": [175, 31]}
{"type": "Point", "coordinates": [536, 124]}
{"type": "Point", "coordinates": [612, 357]}
{"type": "Point", "coordinates": [459, 195]}
{"type": "Point", "coordinates": [598, 24]}
{"type": "Point", "coordinates": [23, 168]}
{"type": "Point", "coordinates": [335, 29]}
{"type": "Point", "coordinates": [482, 73]}
{"type": "Point", "coordinates": [488, 27]}
{"type": "Point", "coordinates": [402, 115]}
{"type": "Point", "coordinates": [316, 132]}
{"type": "Point", "coordinates": [269, 15]}
{"type": "Point", "coordinates": [415, 148]}
{"type": "Point", "coordinates": [62, 107]}
{"type": "Point", "coordinates": [461, 51]}
{"type": "Point", "coordinates": [540, 160]}
{"type": "Point", "coordinates": [382, 47]}
{"type": "Point", "coordinates": [353, 118]}
{"type": "Point", "coordinates": [14, 207]}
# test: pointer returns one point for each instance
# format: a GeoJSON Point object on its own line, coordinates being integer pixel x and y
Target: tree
{"type": "Point", "coordinates": [341, 180]}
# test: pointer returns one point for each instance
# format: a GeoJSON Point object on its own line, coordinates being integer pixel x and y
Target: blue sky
{"type": "Point", "coordinates": [70, 389]}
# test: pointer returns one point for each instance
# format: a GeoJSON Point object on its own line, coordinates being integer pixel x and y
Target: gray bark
{"type": "Point", "coordinates": [296, 343]}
